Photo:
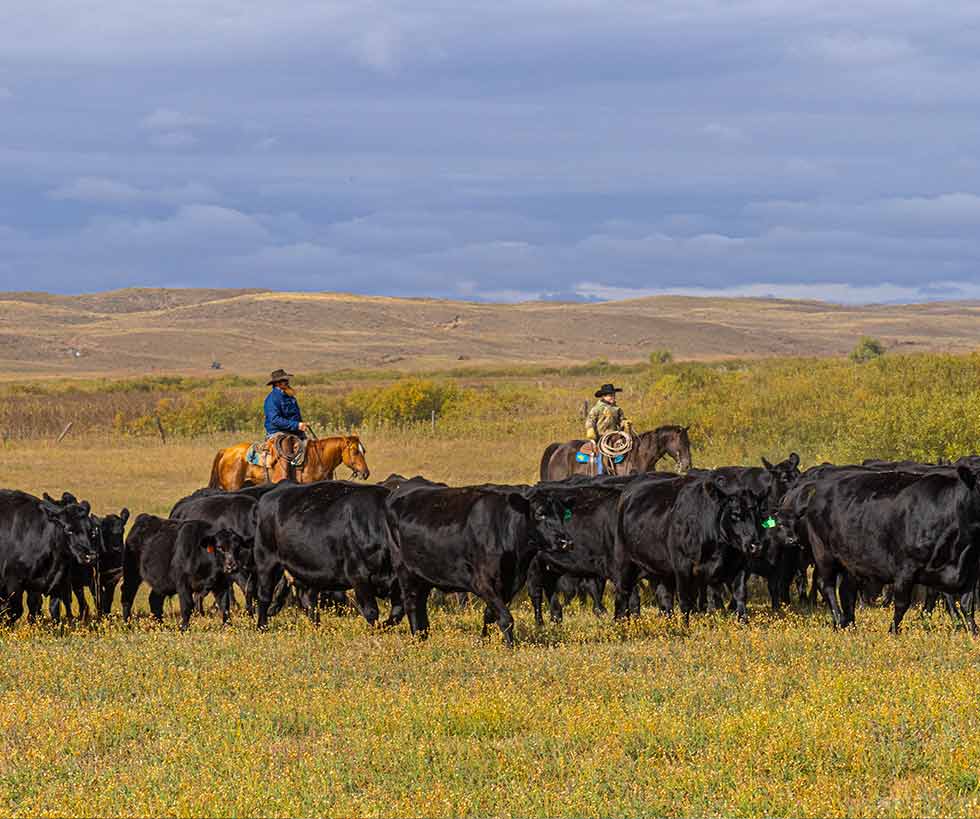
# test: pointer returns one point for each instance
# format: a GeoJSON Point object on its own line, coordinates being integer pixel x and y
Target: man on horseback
{"type": "Point", "coordinates": [282, 413]}
{"type": "Point", "coordinates": [606, 416]}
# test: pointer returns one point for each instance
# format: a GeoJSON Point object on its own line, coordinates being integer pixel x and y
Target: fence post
{"type": "Point", "coordinates": [433, 422]}
{"type": "Point", "coordinates": [65, 431]}
{"type": "Point", "coordinates": [585, 409]}
{"type": "Point", "coordinates": [163, 435]}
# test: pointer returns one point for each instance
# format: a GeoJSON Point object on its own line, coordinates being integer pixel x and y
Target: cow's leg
{"type": "Point", "coordinates": [684, 584]}
{"type": "Point", "coordinates": [266, 582]}
{"type": "Point", "coordinates": [497, 610]}
{"type": "Point", "coordinates": [968, 606]}
{"type": "Point", "coordinates": [280, 595]}
{"type": "Point", "coordinates": [108, 594]}
{"type": "Point", "coordinates": [489, 617]}
{"type": "Point", "coordinates": [624, 579]}
{"type": "Point", "coordinates": [34, 603]}
{"type": "Point", "coordinates": [156, 605]}
{"type": "Point", "coordinates": [902, 592]}
{"type": "Point", "coordinates": [226, 601]}
{"type": "Point", "coordinates": [415, 595]}
{"type": "Point", "coordinates": [186, 598]}
{"type": "Point", "coordinates": [555, 610]}
{"type": "Point", "coordinates": [535, 588]}
{"type": "Point", "coordinates": [397, 606]}
{"type": "Point", "coordinates": [367, 602]}
{"type": "Point", "coordinates": [14, 606]}
{"type": "Point", "coordinates": [740, 595]}
{"type": "Point", "coordinates": [932, 597]}
{"type": "Point", "coordinates": [596, 587]}
{"type": "Point", "coordinates": [828, 587]}
{"type": "Point", "coordinates": [848, 593]}
{"type": "Point", "coordinates": [54, 608]}
{"type": "Point", "coordinates": [775, 590]}
{"type": "Point", "coordinates": [247, 585]}
{"type": "Point", "coordinates": [665, 598]}
{"type": "Point", "coordinates": [83, 610]}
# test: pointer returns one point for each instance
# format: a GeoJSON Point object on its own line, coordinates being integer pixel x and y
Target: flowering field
{"type": "Point", "coordinates": [780, 717]}
{"type": "Point", "coordinates": [783, 717]}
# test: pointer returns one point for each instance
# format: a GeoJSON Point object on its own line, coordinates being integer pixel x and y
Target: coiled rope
{"type": "Point", "coordinates": [615, 444]}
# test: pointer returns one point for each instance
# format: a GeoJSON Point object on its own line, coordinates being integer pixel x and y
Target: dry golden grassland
{"type": "Point", "coordinates": [780, 717]}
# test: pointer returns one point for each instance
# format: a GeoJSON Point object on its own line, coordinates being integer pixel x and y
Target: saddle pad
{"type": "Point", "coordinates": [254, 455]}
{"type": "Point", "coordinates": [583, 458]}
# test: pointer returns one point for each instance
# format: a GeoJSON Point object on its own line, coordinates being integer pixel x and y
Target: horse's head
{"type": "Point", "coordinates": [352, 453]}
{"type": "Point", "coordinates": [669, 440]}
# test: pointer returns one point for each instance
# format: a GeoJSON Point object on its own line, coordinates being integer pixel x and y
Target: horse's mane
{"type": "Point", "coordinates": [670, 428]}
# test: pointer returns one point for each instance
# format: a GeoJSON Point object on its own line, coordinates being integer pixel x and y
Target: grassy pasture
{"type": "Point", "coordinates": [782, 717]}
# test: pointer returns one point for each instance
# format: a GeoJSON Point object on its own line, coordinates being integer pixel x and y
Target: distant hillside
{"type": "Point", "coordinates": [139, 330]}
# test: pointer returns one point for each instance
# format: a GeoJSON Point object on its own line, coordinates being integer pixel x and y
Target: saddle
{"type": "Point", "coordinates": [291, 448]}
{"type": "Point", "coordinates": [600, 462]}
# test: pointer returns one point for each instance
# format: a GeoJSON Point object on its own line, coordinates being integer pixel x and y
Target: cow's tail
{"type": "Point", "coordinates": [215, 481]}
{"type": "Point", "coordinates": [546, 459]}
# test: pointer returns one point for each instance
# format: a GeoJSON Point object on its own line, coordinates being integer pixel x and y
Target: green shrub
{"type": "Point", "coordinates": [867, 349]}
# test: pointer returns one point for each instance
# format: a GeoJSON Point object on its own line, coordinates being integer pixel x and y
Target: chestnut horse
{"type": "Point", "coordinates": [558, 460]}
{"type": "Point", "coordinates": [230, 471]}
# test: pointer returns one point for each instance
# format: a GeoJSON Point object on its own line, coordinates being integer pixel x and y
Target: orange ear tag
{"type": "Point", "coordinates": [210, 550]}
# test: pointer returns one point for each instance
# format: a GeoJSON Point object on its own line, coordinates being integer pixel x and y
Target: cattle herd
{"type": "Point", "coordinates": [696, 538]}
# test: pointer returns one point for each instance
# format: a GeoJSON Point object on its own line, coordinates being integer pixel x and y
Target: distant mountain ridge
{"type": "Point", "coordinates": [252, 330]}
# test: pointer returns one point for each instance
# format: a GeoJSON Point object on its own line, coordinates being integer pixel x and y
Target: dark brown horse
{"type": "Point", "coordinates": [559, 461]}
{"type": "Point", "coordinates": [230, 471]}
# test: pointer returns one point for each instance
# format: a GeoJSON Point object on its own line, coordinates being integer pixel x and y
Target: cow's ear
{"type": "Point", "coordinates": [208, 543]}
{"type": "Point", "coordinates": [767, 465]}
{"type": "Point", "coordinates": [124, 515]}
{"type": "Point", "coordinates": [68, 497]}
{"type": "Point", "coordinates": [50, 508]}
{"type": "Point", "coordinates": [715, 486]}
{"type": "Point", "coordinates": [96, 520]}
{"type": "Point", "coordinates": [48, 498]}
{"type": "Point", "coordinates": [85, 505]}
{"type": "Point", "coordinates": [794, 460]}
{"type": "Point", "coordinates": [968, 476]}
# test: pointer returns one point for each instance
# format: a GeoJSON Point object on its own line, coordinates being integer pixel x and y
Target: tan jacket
{"type": "Point", "coordinates": [604, 418]}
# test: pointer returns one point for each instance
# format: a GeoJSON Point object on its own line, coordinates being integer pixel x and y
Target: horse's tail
{"type": "Point", "coordinates": [546, 459]}
{"type": "Point", "coordinates": [215, 482]}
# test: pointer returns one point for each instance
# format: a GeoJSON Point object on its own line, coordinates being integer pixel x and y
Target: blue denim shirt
{"type": "Point", "coordinates": [281, 412]}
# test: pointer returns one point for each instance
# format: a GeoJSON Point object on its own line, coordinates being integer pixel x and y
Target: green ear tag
{"type": "Point", "coordinates": [769, 523]}
{"type": "Point", "coordinates": [567, 516]}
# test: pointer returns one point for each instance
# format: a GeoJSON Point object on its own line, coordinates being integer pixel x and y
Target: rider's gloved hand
{"type": "Point", "coordinates": [303, 426]}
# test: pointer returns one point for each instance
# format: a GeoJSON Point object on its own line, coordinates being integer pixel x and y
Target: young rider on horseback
{"type": "Point", "coordinates": [606, 416]}
{"type": "Point", "coordinates": [282, 413]}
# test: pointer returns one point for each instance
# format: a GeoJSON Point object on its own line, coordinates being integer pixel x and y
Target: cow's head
{"type": "Point", "coordinates": [74, 520]}
{"type": "Point", "coordinates": [549, 517]}
{"type": "Point", "coordinates": [112, 531]}
{"type": "Point", "coordinates": [227, 547]}
{"type": "Point", "coordinates": [738, 515]}
{"type": "Point", "coordinates": [784, 475]}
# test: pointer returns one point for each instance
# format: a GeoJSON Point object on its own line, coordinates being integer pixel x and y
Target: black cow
{"type": "Point", "coordinates": [100, 578]}
{"type": "Point", "coordinates": [228, 510]}
{"type": "Point", "coordinates": [585, 566]}
{"type": "Point", "coordinates": [892, 527]}
{"type": "Point", "coordinates": [329, 536]}
{"type": "Point", "coordinates": [779, 559]}
{"type": "Point", "coordinates": [40, 542]}
{"type": "Point", "coordinates": [471, 539]}
{"type": "Point", "coordinates": [178, 557]}
{"type": "Point", "coordinates": [698, 528]}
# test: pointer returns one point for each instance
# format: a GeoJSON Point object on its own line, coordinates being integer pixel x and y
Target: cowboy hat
{"type": "Point", "coordinates": [278, 375]}
{"type": "Point", "coordinates": [607, 389]}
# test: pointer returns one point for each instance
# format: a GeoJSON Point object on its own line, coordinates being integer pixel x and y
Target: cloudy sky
{"type": "Point", "coordinates": [505, 150]}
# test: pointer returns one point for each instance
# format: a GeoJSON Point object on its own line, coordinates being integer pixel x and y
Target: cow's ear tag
{"type": "Point", "coordinates": [567, 516]}
{"type": "Point", "coordinates": [769, 523]}
{"type": "Point", "coordinates": [210, 550]}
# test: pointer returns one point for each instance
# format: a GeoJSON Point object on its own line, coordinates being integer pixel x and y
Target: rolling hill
{"type": "Point", "coordinates": [252, 331]}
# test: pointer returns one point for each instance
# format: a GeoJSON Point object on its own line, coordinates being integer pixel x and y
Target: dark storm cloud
{"type": "Point", "coordinates": [508, 150]}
